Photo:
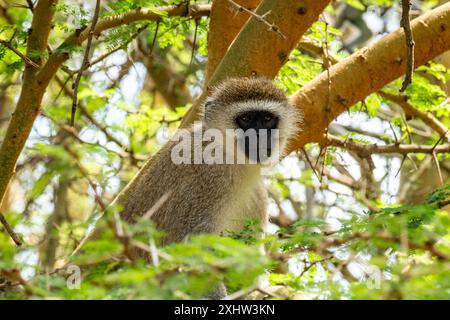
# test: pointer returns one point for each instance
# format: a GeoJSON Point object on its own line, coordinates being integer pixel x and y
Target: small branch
{"type": "Point", "coordinates": [313, 168]}
{"type": "Point", "coordinates": [326, 62]}
{"type": "Point", "coordinates": [364, 236]}
{"type": "Point", "coordinates": [309, 265]}
{"type": "Point", "coordinates": [194, 43]}
{"type": "Point", "coordinates": [261, 18]}
{"type": "Point", "coordinates": [58, 57]}
{"type": "Point", "coordinates": [365, 150]}
{"type": "Point", "coordinates": [107, 54]}
{"type": "Point", "coordinates": [91, 118]}
{"type": "Point", "coordinates": [347, 181]}
{"type": "Point", "coordinates": [406, 25]}
{"type": "Point", "coordinates": [27, 60]}
{"type": "Point", "coordinates": [98, 199]}
{"type": "Point", "coordinates": [85, 63]}
{"type": "Point", "coordinates": [315, 49]}
{"type": "Point", "coordinates": [10, 230]}
{"type": "Point", "coordinates": [154, 37]}
{"type": "Point", "coordinates": [427, 117]}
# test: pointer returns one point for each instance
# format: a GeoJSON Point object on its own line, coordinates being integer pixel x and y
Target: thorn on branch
{"type": "Point", "coordinates": [406, 25]}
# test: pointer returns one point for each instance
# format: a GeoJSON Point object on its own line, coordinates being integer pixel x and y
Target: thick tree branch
{"type": "Point", "coordinates": [261, 18]}
{"type": "Point", "coordinates": [224, 26]}
{"type": "Point", "coordinates": [367, 71]}
{"type": "Point", "coordinates": [258, 51]}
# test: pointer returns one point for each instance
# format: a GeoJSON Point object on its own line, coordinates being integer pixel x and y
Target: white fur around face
{"type": "Point", "coordinates": [223, 117]}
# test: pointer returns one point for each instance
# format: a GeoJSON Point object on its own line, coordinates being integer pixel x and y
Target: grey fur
{"type": "Point", "coordinates": [205, 198]}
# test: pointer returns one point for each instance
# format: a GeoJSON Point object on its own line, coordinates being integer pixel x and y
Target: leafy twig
{"type": "Point", "coordinates": [107, 54]}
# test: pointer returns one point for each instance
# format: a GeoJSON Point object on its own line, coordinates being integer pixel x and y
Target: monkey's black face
{"type": "Point", "coordinates": [259, 134]}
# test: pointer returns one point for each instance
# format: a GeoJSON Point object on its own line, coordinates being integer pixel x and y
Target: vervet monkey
{"type": "Point", "coordinates": [188, 199]}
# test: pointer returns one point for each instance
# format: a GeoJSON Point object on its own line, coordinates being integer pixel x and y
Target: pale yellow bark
{"type": "Point", "coordinates": [262, 52]}
{"type": "Point", "coordinates": [225, 24]}
{"type": "Point", "coordinates": [367, 71]}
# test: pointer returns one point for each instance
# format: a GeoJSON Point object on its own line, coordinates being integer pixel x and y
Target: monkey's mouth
{"type": "Point", "coordinates": [260, 146]}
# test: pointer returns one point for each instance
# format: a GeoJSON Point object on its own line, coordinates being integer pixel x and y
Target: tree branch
{"type": "Point", "coordinates": [10, 230]}
{"type": "Point", "coordinates": [427, 117]}
{"type": "Point", "coordinates": [365, 150]}
{"type": "Point", "coordinates": [27, 60]}
{"type": "Point", "coordinates": [60, 55]}
{"type": "Point", "coordinates": [223, 28]}
{"type": "Point", "coordinates": [31, 94]}
{"type": "Point", "coordinates": [261, 18]}
{"type": "Point", "coordinates": [367, 71]}
{"type": "Point", "coordinates": [255, 45]}
{"type": "Point", "coordinates": [406, 25]}
{"type": "Point", "coordinates": [35, 82]}
{"type": "Point", "coordinates": [84, 63]}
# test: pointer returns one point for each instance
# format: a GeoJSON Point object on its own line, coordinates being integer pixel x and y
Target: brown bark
{"type": "Point", "coordinates": [366, 71]}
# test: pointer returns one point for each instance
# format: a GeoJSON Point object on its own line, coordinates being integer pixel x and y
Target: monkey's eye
{"type": "Point", "coordinates": [244, 121]}
{"type": "Point", "coordinates": [270, 121]}
{"type": "Point", "coordinates": [244, 118]}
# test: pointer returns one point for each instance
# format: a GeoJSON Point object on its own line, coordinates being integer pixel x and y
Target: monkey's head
{"type": "Point", "coordinates": [257, 111]}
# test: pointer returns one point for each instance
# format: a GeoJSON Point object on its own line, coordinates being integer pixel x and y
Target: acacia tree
{"type": "Point", "coordinates": [289, 40]}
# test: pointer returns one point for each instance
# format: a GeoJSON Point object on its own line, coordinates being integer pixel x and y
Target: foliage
{"type": "Point", "coordinates": [407, 269]}
{"type": "Point", "coordinates": [344, 224]}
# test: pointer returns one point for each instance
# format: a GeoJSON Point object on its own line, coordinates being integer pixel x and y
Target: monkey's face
{"type": "Point", "coordinates": [255, 131]}
{"type": "Point", "coordinates": [257, 135]}
{"type": "Point", "coordinates": [257, 114]}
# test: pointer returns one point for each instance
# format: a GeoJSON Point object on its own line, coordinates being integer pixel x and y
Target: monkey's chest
{"type": "Point", "coordinates": [241, 208]}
